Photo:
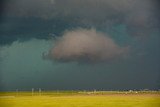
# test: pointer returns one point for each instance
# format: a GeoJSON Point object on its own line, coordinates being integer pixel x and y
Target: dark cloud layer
{"type": "Point", "coordinates": [38, 18]}
{"type": "Point", "coordinates": [12, 29]}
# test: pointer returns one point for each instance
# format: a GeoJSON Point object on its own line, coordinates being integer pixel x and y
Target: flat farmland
{"type": "Point", "coordinates": [80, 99]}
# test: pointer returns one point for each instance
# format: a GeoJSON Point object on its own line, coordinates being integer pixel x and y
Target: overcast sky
{"type": "Point", "coordinates": [79, 44]}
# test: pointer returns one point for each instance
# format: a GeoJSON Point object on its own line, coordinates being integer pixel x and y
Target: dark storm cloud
{"type": "Point", "coordinates": [116, 23]}
{"type": "Point", "coordinates": [54, 16]}
{"type": "Point", "coordinates": [94, 10]}
{"type": "Point", "coordinates": [1, 6]}
{"type": "Point", "coordinates": [12, 29]}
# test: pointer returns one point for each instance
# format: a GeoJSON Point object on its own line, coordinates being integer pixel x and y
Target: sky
{"type": "Point", "coordinates": [79, 44]}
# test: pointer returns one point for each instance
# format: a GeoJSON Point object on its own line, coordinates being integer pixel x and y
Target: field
{"type": "Point", "coordinates": [80, 99]}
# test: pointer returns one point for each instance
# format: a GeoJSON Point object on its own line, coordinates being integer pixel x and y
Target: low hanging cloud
{"type": "Point", "coordinates": [85, 45]}
{"type": "Point", "coordinates": [140, 18]}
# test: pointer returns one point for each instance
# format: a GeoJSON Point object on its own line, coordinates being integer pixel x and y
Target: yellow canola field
{"type": "Point", "coordinates": [81, 100]}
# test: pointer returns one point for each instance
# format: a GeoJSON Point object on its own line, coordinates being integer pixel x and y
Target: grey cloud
{"type": "Point", "coordinates": [85, 45]}
{"type": "Point", "coordinates": [87, 8]}
{"type": "Point", "coordinates": [28, 19]}
{"type": "Point", "coordinates": [27, 8]}
{"type": "Point", "coordinates": [138, 15]}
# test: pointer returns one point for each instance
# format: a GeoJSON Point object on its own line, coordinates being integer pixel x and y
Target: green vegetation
{"type": "Point", "coordinates": [81, 99]}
